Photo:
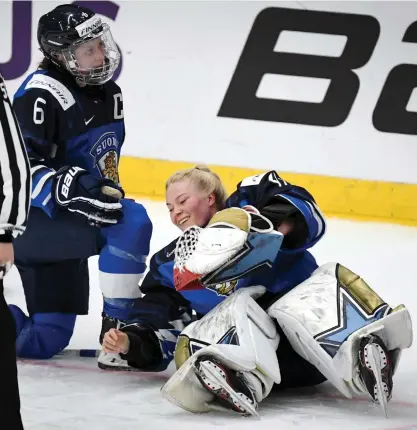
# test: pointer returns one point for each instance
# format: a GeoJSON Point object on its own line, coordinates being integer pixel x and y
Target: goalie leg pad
{"type": "Point", "coordinates": [238, 334]}
{"type": "Point", "coordinates": [326, 316]}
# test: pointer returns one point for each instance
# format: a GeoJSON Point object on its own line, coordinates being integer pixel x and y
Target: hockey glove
{"type": "Point", "coordinates": [203, 251]}
{"type": "Point", "coordinates": [144, 348]}
{"type": "Point", "coordinates": [97, 199]}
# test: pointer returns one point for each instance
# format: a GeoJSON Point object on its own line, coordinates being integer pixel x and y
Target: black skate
{"type": "Point", "coordinates": [376, 369]}
{"type": "Point", "coordinates": [108, 323]}
{"type": "Point", "coordinates": [108, 360]}
{"type": "Point", "coordinates": [229, 387]}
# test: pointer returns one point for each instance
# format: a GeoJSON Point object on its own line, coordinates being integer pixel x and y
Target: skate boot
{"type": "Point", "coordinates": [107, 323]}
{"type": "Point", "coordinates": [376, 367]}
{"type": "Point", "coordinates": [232, 390]}
{"type": "Point", "coordinates": [111, 360]}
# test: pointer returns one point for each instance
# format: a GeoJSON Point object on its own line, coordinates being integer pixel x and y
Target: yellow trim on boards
{"type": "Point", "coordinates": [354, 199]}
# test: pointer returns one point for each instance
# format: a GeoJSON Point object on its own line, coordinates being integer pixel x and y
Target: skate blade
{"type": "Point", "coordinates": [213, 375]}
{"type": "Point", "coordinates": [375, 366]}
{"type": "Point", "coordinates": [113, 368]}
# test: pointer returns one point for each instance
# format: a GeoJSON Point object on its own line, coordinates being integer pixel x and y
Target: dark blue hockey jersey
{"type": "Point", "coordinates": [162, 304]}
{"type": "Point", "coordinates": [66, 125]}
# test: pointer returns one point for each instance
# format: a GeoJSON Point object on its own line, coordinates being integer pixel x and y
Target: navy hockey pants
{"type": "Point", "coordinates": [52, 259]}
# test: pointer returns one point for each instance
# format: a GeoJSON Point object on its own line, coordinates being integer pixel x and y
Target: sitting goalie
{"type": "Point", "coordinates": [267, 316]}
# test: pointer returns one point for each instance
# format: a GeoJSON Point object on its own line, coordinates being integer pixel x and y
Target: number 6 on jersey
{"type": "Point", "coordinates": [38, 113]}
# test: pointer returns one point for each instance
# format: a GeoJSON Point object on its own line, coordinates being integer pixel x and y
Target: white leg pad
{"type": "Point", "coordinates": [325, 316]}
{"type": "Point", "coordinates": [239, 334]}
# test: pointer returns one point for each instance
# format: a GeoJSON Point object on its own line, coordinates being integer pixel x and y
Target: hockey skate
{"type": "Point", "coordinates": [376, 368]}
{"type": "Point", "coordinates": [231, 389]}
{"type": "Point", "coordinates": [109, 360]}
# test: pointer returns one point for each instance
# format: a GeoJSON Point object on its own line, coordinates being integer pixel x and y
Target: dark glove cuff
{"type": "Point", "coordinates": [6, 237]}
{"type": "Point", "coordinates": [279, 210]}
{"type": "Point", "coordinates": [144, 351]}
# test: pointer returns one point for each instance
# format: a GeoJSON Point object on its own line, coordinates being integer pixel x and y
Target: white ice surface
{"type": "Point", "coordinates": [73, 394]}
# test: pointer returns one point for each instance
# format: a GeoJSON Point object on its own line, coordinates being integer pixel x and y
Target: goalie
{"type": "Point", "coordinates": [267, 315]}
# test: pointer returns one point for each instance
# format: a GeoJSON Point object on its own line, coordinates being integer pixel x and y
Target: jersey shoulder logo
{"type": "Point", "coordinates": [56, 88]}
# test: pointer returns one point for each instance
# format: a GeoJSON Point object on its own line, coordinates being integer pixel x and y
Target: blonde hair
{"type": "Point", "coordinates": [206, 181]}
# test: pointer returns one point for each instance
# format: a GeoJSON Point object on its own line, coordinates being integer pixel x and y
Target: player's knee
{"type": "Point", "coordinates": [19, 317]}
{"type": "Point", "coordinates": [127, 243]}
{"type": "Point", "coordinates": [136, 216]}
{"type": "Point", "coordinates": [134, 232]}
{"type": "Point", "coordinates": [44, 335]}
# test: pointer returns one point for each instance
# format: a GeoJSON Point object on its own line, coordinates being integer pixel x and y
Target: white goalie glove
{"type": "Point", "coordinates": [200, 251]}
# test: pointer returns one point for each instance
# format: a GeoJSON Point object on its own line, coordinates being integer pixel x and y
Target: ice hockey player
{"type": "Point", "coordinates": [283, 325]}
{"type": "Point", "coordinates": [71, 115]}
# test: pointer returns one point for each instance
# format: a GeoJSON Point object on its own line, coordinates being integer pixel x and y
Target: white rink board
{"type": "Point", "coordinates": [179, 59]}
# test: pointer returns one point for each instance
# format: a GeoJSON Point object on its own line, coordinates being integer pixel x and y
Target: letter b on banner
{"type": "Point", "coordinates": [258, 58]}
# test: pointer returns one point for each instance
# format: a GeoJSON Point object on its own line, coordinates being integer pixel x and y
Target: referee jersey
{"type": "Point", "coordinates": [15, 177]}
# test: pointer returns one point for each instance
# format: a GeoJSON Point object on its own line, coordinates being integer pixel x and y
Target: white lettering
{"type": "Point", "coordinates": [118, 106]}
{"type": "Point", "coordinates": [68, 180]}
{"type": "Point", "coordinates": [88, 26]}
{"type": "Point", "coordinates": [108, 142]}
{"type": "Point", "coordinates": [65, 191]}
{"type": "Point", "coordinates": [59, 91]}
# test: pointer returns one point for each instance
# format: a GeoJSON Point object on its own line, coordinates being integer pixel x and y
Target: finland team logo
{"type": "Point", "coordinates": [224, 289]}
{"type": "Point", "coordinates": [106, 158]}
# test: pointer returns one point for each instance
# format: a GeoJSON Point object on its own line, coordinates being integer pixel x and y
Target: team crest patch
{"type": "Point", "coordinates": [224, 289]}
{"type": "Point", "coordinates": [106, 158]}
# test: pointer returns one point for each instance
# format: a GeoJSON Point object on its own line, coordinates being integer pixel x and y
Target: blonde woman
{"type": "Point", "coordinates": [193, 197]}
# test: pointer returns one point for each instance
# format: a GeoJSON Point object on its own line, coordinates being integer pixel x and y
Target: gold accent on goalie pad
{"type": "Point", "coordinates": [261, 371]}
{"type": "Point", "coordinates": [398, 308]}
{"type": "Point", "coordinates": [234, 216]}
{"type": "Point", "coordinates": [182, 351]}
{"type": "Point", "coordinates": [359, 289]}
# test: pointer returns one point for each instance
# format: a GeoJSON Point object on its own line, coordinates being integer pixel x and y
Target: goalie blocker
{"type": "Point", "coordinates": [333, 320]}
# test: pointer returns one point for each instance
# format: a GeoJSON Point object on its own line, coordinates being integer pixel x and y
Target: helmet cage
{"type": "Point", "coordinates": [94, 75]}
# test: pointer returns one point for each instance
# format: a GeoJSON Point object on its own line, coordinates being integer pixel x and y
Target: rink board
{"type": "Point", "coordinates": [356, 199]}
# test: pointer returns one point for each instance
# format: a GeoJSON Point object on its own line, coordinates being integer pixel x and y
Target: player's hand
{"type": "Point", "coordinates": [6, 258]}
{"type": "Point", "coordinates": [116, 341]}
{"type": "Point", "coordinates": [251, 209]}
{"type": "Point", "coordinates": [96, 199]}
{"type": "Point", "coordinates": [286, 227]}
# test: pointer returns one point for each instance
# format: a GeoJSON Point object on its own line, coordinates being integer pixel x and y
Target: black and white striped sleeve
{"type": "Point", "coordinates": [15, 177]}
